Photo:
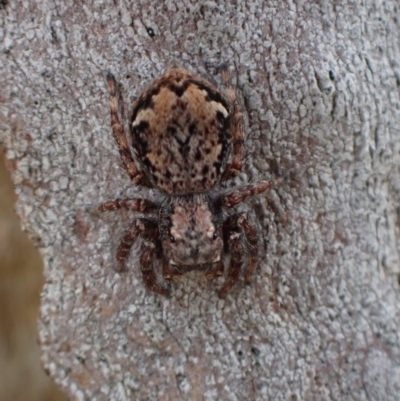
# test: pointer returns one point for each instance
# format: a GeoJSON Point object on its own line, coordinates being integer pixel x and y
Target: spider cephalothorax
{"type": "Point", "coordinates": [187, 137]}
{"type": "Point", "coordinates": [190, 232]}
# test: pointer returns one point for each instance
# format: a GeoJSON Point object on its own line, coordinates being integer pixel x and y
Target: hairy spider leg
{"type": "Point", "coordinates": [169, 273]}
{"type": "Point", "coordinates": [127, 241]}
{"type": "Point", "coordinates": [216, 270]}
{"type": "Point", "coordinates": [236, 246]}
{"type": "Point", "coordinates": [237, 225]}
{"type": "Point", "coordinates": [134, 204]}
{"type": "Point", "coordinates": [146, 265]}
{"type": "Point", "coordinates": [236, 165]}
{"type": "Point", "coordinates": [240, 194]}
{"type": "Point", "coordinates": [149, 231]}
{"type": "Point", "coordinates": [250, 233]}
{"type": "Point", "coordinates": [119, 134]}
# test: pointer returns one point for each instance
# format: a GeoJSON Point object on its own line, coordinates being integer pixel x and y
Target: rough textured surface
{"type": "Point", "coordinates": [320, 85]}
{"type": "Point", "coordinates": [183, 129]}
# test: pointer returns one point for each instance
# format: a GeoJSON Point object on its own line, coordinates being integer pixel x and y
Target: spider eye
{"type": "Point", "coordinates": [215, 235]}
{"type": "Point", "coordinates": [172, 239]}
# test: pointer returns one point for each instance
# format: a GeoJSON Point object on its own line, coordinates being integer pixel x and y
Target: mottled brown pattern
{"type": "Point", "coordinates": [182, 118]}
{"type": "Point", "coordinates": [192, 224]}
{"type": "Point", "coordinates": [187, 137]}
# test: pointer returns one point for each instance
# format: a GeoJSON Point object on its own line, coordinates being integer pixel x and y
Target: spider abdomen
{"type": "Point", "coordinates": [181, 135]}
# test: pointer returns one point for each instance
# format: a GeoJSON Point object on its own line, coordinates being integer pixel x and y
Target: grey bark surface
{"type": "Point", "coordinates": [319, 82]}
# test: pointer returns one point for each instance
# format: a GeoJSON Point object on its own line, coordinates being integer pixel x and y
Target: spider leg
{"type": "Point", "coordinates": [216, 271]}
{"type": "Point", "coordinates": [129, 238]}
{"type": "Point", "coordinates": [119, 134]}
{"type": "Point", "coordinates": [236, 245]}
{"type": "Point", "coordinates": [149, 230]}
{"type": "Point", "coordinates": [235, 167]}
{"type": "Point", "coordinates": [240, 194]}
{"type": "Point", "coordinates": [233, 228]}
{"type": "Point", "coordinates": [148, 250]}
{"type": "Point", "coordinates": [169, 273]}
{"type": "Point", "coordinates": [135, 204]}
{"type": "Point", "coordinates": [250, 233]}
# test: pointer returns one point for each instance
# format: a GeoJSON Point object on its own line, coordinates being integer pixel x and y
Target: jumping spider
{"type": "Point", "coordinates": [187, 137]}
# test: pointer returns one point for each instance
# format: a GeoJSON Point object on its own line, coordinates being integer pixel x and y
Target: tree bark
{"type": "Point", "coordinates": [319, 83]}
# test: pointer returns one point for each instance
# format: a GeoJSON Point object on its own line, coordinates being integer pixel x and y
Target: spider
{"type": "Point", "coordinates": [187, 137]}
